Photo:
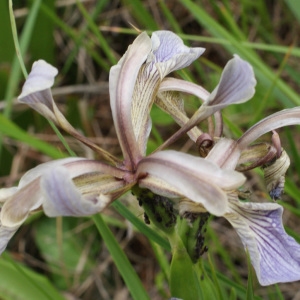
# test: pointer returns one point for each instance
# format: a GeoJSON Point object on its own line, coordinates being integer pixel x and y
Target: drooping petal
{"type": "Point", "coordinates": [122, 80]}
{"type": "Point", "coordinates": [280, 119]}
{"type": "Point", "coordinates": [37, 94]}
{"type": "Point", "coordinates": [195, 178]}
{"type": "Point", "coordinates": [28, 196]}
{"type": "Point", "coordinates": [71, 186]}
{"type": "Point", "coordinates": [63, 198]}
{"type": "Point", "coordinates": [275, 256]}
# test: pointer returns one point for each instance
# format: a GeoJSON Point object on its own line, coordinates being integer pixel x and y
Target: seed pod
{"type": "Point", "coordinates": [274, 174]}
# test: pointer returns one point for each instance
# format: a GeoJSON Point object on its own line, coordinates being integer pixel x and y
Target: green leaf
{"type": "Point", "coordinates": [10, 129]}
{"type": "Point", "coordinates": [61, 249]}
{"type": "Point", "coordinates": [140, 225]}
{"type": "Point", "coordinates": [250, 291]}
{"type": "Point", "coordinates": [20, 283]}
{"type": "Point", "coordinates": [126, 270]}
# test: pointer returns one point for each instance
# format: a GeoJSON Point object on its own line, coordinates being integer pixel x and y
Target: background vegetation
{"type": "Point", "coordinates": [67, 258]}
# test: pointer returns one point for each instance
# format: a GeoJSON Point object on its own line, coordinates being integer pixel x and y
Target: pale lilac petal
{"type": "Point", "coordinates": [40, 78]}
{"type": "Point", "coordinates": [237, 84]}
{"type": "Point", "coordinates": [28, 196]}
{"type": "Point", "coordinates": [225, 153]}
{"type": "Point", "coordinates": [195, 178]}
{"type": "Point", "coordinates": [275, 255]}
{"type": "Point", "coordinates": [280, 119]}
{"type": "Point", "coordinates": [20, 201]}
{"type": "Point", "coordinates": [36, 89]}
{"type": "Point", "coordinates": [170, 53]}
{"type": "Point", "coordinates": [122, 80]}
{"type": "Point", "coordinates": [16, 208]}
{"type": "Point", "coordinates": [5, 193]}
{"type": "Point", "coordinates": [62, 198]}
{"type": "Point", "coordinates": [179, 85]}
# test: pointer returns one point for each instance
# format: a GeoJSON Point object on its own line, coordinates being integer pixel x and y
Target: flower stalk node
{"type": "Point", "coordinates": [158, 209]}
{"type": "Point", "coordinates": [193, 234]}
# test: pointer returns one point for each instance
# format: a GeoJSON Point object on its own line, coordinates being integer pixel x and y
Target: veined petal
{"type": "Point", "coordinates": [63, 198]}
{"type": "Point", "coordinates": [37, 94]}
{"type": "Point", "coordinates": [195, 178]}
{"type": "Point", "coordinates": [170, 53]}
{"type": "Point", "coordinates": [122, 80]}
{"type": "Point", "coordinates": [280, 119]}
{"type": "Point", "coordinates": [275, 255]}
{"type": "Point", "coordinates": [237, 84]}
{"type": "Point", "coordinates": [159, 187]}
{"type": "Point", "coordinates": [28, 196]}
{"type": "Point", "coordinates": [173, 104]}
{"type": "Point", "coordinates": [21, 200]}
{"type": "Point", "coordinates": [40, 78]}
{"type": "Point", "coordinates": [225, 153]}
{"type": "Point", "coordinates": [36, 89]}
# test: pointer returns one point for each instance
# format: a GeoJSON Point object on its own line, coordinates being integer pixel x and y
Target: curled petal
{"type": "Point", "coordinates": [236, 85]}
{"type": "Point", "coordinates": [28, 196]}
{"type": "Point", "coordinates": [36, 89]}
{"type": "Point", "coordinates": [21, 200]}
{"type": "Point", "coordinates": [195, 178]}
{"type": "Point", "coordinates": [62, 198]}
{"type": "Point", "coordinates": [170, 53]}
{"type": "Point", "coordinates": [40, 78]}
{"type": "Point", "coordinates": [274, 175]}
{"type": "Point", "coordinates": [275, 256]}
{"type": "Point", "coordinates": [280, 119]}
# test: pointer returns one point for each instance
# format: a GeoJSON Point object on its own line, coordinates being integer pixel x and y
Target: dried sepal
{"type": "Point", "coordinates": [274, 174]}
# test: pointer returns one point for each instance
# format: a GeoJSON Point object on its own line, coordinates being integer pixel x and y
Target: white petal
{"type": "Point", "coordinates": [280, 119]}
{"type": "Point", "coordinates": [225, 153]}
{"type": "Point", "coordinates": [170, 53]}
{"type": "Point", "coordinates": [236, 85]}
{"type": "Point", "coordinates": [40, 78]}
{"type": "Point", "coordinates": [122, 79]}
{"type": "Point", "coordinates": [62, 198]}
{"type": "Point", "coordinates": [195, 178]}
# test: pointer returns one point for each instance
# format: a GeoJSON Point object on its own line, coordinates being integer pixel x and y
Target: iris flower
{"type": "Point", "coordinates": [80, 186]}
{"type": "Point", "coordinates": [275, 255]}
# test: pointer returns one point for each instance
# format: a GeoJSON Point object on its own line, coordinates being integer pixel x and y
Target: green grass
{"type": "Point", "coordinates": [83, 40]}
